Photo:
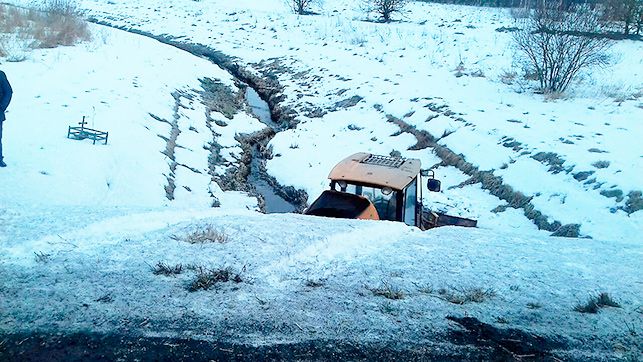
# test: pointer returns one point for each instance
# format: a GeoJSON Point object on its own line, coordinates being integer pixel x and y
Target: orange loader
{"type": "Point", "coordinates": [367, 186]}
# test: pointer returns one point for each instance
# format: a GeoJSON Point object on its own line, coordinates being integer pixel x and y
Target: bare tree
{"type": "Point", "coordinates": [627, 11]}
{"type": "Point", "coordinates": [639, 19]}
{"type": "Point", "coordinates": [556, 45]}
{"type": "Point", "coordinates": [384, 9]}
{"type": "Point", "coordinates": [302, 7]}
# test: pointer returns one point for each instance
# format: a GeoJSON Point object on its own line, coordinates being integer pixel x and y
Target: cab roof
{"type": "Point", "coordinates": [366, 168]}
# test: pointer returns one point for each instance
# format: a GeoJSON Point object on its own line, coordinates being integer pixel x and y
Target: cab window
{"type": "Point", "coordinates": [410, 201]}
{"type": "Point", "coordinates": [385, 204]}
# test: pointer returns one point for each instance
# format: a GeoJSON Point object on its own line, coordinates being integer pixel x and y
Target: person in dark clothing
{"type": "Point", "coordinates": [5, 97]}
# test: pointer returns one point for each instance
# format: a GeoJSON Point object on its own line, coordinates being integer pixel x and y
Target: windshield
{"type": "Point", "coordinates": [385, 204]}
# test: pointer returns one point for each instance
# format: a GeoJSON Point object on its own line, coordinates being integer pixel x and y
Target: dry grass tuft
{"type": "Point", "coordinates": [42, 257]}
{"type": "Point", "coordinates": [315, 283]}
{"type": "Point", "coordinates": [387, 291]}
{"type": "Point", "coordinates": [209, 234]}
{"type": "Point", "coordinates": [465, 295]}
{"type": "Point", "coordinates": [595, 303]}
{"type": "Point", "coordinates": [208, 278]}
{"type": "Point", "coordinates": [166, 269]}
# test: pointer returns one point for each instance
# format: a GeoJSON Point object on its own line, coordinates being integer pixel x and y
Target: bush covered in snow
{"type": "Point", "coordinates": [303, 7]}
{"type": "Point", "coordinates": [48, 25]}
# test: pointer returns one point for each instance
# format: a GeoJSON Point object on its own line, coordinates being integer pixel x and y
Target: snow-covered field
{"type": "Point", "coordinates": [440, 70]}
{"type": "Point", "coordinates": [83, 225]}
{"type": "Point", "coordinates": [133, 88]}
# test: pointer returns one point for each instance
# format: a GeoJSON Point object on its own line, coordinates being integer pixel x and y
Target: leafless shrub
{"type": "Point", "coordinates": [60, 7]}
{"type": "Point", "coordinates": [209, 234]}
{"type": "Point", "coordinates": [53, 23]}
{"type": "Point", "coordinates": [629, 12]}
{"type": "Point", "coordinates": [62, 29]}
{"type": "Point", "coordinates": [595, 303]}
{"type": "Point", "coordinates": [556, 45]}
{"type": "Point", "coordinates": [15, 47]}
{"type": "Point", "coordinates": [384, 9]}
{"type": "Point", "coordinates": [302, 7]}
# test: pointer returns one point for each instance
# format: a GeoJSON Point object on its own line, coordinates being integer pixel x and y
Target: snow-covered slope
{"type": "Point", "coordinates": [443, 69]}
{"type": "Point", "coordinates": [310, 279]}
{"type": "Point", "coordinates": [137, 90]}
{"type": "Point", "coordinates": [82, 226]}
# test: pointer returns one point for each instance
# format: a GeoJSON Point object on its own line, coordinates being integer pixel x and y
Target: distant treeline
{"type": "Point", "coordinates": [626, 14]}
{"type": "Point", "coordinates": [565, 4]}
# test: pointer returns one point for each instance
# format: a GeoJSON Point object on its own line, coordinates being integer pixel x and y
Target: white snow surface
{"type": "Point", "coordinates": [82, 225]}
{"type": "Point", "coordinates": [96, 274]}
{"type": "Point", "coordinates": [410, 70]}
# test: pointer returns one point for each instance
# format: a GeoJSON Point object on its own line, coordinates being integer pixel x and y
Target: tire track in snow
{"type": "Point", "coordinates": [487, 180]}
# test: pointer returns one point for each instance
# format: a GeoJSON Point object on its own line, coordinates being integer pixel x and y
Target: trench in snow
{"type": "Point", "coordinates": [273, 203]}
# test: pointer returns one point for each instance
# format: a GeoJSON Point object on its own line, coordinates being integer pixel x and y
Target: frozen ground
{"type": "Point", "coordinates": [83, 226]}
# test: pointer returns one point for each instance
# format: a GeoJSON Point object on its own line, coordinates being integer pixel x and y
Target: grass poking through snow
{"type": "Point", "coordinates": [387, 291]}
{"type": "Point", "coordinates": [465, 295]}
{"type": "Point", "coordinates": [209, 234]}
{"type": "Point", "coordinates": [208, 278]}
{"type": "Point", "coordinates": [166, 269]}
{"type": "Point", "coordinates": [595, 303]}
{"type": "Point", "coordinates": [42, 257]}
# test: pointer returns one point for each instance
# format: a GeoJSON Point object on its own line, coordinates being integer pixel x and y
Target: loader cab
{"type": "Point", "coordinates": [367, 186]}
{"type": "Point", "coordinates": [391, 187]}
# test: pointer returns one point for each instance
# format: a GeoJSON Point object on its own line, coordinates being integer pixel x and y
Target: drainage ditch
{"type": "Point", "coordinates": [263, 96]}
{"type": "Point", "coordinates": [270, 199]}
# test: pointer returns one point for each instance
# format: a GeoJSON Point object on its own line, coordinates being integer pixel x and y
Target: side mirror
{"type": "Point", "coordinates": [433, 185]}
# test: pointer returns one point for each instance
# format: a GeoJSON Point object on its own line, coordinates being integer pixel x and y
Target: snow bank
{"type": "Point", "coordinates": [309, 278]}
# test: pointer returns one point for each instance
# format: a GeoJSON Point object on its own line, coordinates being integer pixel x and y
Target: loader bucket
{"type": "Point", "coordinates": [432, 219]}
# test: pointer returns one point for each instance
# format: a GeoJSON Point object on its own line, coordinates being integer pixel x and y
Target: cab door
{"type": "Point", "coordinates": [410, 203]}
